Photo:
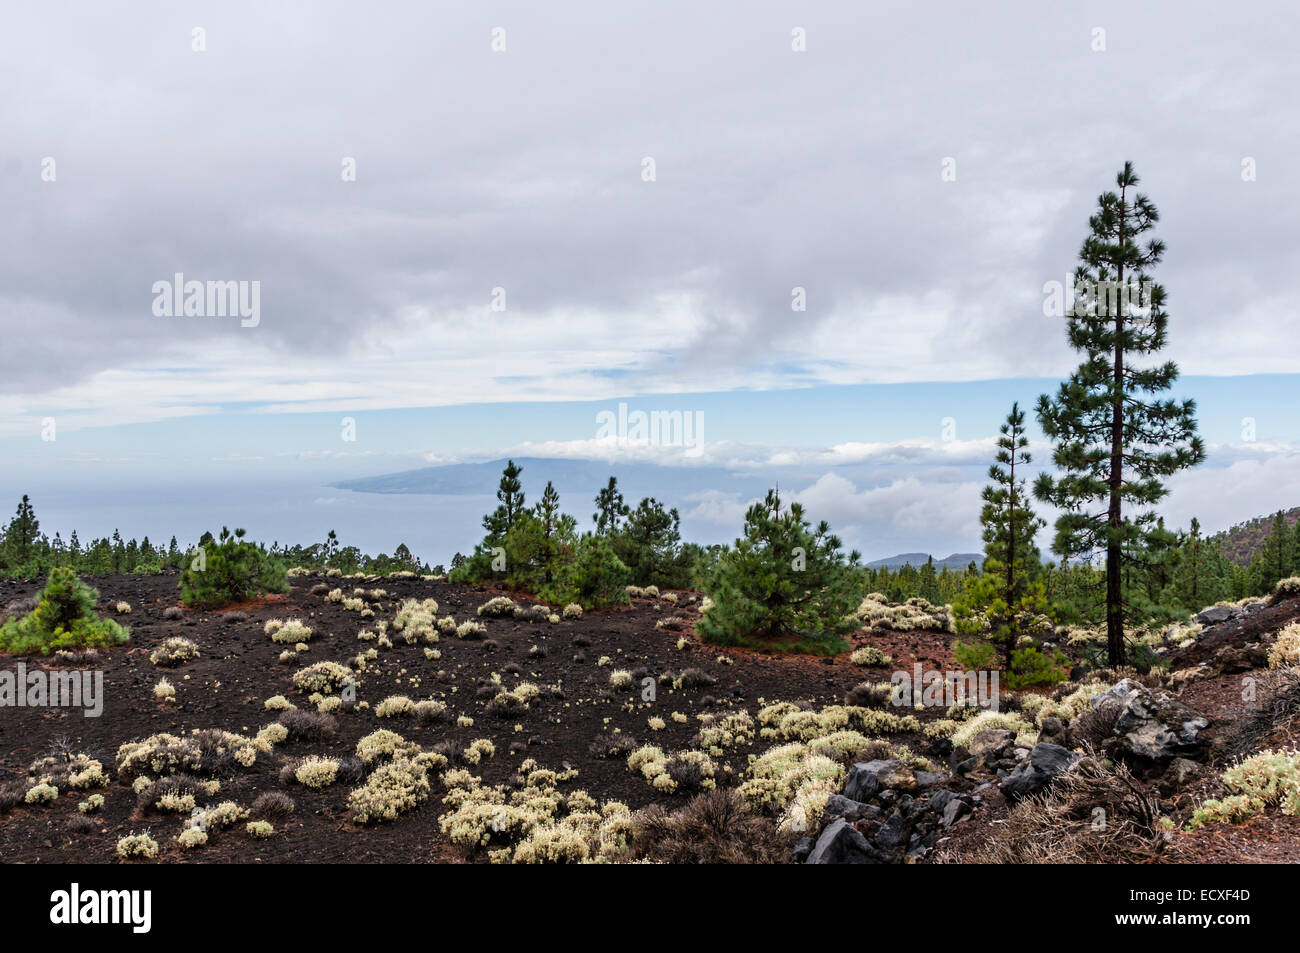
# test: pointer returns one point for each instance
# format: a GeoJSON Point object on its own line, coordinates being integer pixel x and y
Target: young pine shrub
{"type": "Point", "coordinates": [597, 577]}
{"type": "Point", "coordinates": [228, 569]}
{"type": "Point", "coordinates": [64, 618]}
{"type": "Point", "coordinates": [784, 585]}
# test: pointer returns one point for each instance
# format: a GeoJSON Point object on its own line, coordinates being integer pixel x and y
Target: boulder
{"type": "Point", "coordinates": [928, 779]}
{"type": "Point", "coordinates": [802, 848]}
{"type": "Point", "coordinates": [1215, 615]}
{"type": "Point", "coordinates": [842, 843]}
{"type": "Point", "coordinates": [868, 778]}
{"type": "Point", "coordinates": [1046, 763]}
{"type": "Point", "coordinates": [1243, 658]}
{"type": "Point", "coordinates": [893, 833]}
{"type": "Point", "coordinates": [1179, 774]}
{"type": "Point", "coordinates": [1157, 727]}
{"type": "Point", "coordinates": [862, 783]}
{"type": "Point", "coordinates": [940, 799]}
{"type": "Point", "coordinates": [837, 805]}
{"type": "Point", "coordinates": [1117, 694]}
{"type": "Point", "coordinates": [991, 741]}
{"type": "Point", "coordinates": [1052, 730]}
{"type": "Point", "coordinates": [954, 811]}
{"type": "Point", "coordinates": [898, 778]}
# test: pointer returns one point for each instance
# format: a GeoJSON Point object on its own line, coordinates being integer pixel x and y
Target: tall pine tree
{"type": "Point", "coordinates": [510, 493]}
{"type": "Point", "coordinates": [611, 510]}
{"type": "Point", "coordinates": [1007, 590]}
{"type": "Point", "coordinates": [1116, 438]}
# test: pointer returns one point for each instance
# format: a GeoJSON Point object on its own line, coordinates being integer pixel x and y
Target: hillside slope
{"type": "Point", "coordinates": [1239, 543]}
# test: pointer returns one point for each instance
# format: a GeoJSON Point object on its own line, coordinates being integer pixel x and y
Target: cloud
{"type": "Point", "coordinates": [930, 507]}
{"type": "Point", "coordinates": [1220, 496]}
{"type": "Point", "coordinates": [775, 170]}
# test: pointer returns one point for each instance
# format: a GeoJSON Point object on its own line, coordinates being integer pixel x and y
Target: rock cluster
{"type": "Point", "coordinates": [1217, 615]}
{"type": "Point", "coordinates": [888, 813]}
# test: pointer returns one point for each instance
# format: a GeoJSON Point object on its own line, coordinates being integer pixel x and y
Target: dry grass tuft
{"type": "Point", "coordinates": [715, 827]}
{"type": "Point", "coordinates": [1094, 814]}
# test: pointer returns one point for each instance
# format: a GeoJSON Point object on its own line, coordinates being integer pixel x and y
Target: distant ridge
{"type": "Point", "coordinates": [955, 561]}
{"type": "Point", "coordinates": [1238, 543]}
{"type": "Point", "coordinates": [576, 480]}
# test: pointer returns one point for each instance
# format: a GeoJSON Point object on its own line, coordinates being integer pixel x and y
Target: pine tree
{"type": "Point", "coordinates": [1008, 590]}
{"type": "Point", "coordinates": [598, 579]}
{"type": "Point", "coordinates": [20, 538]}
{"type": "Point", "coordinates": [63, 619]}
{"type": "Point", "coordinates": [511, 496]}
{"type": "Point", "coordinates": [1275, 559]}
{"type": "Point", "coordinates": [1197, 582]}
{"type": "Point", "coordinates": [650, 545]}
{"type": "Point", "coordinates": [1114, 438]}
{"type": "Point", "coordinates": [611, 510]}
{"type": "Point", "coordinates": [783, 585]}
{"type": "Point", "coordinates": [929, 586]}
{"type": "Point", "coordinates": [229, 569]}
{"type": "Point", "coordinates": [558, 532]}
{"type": "Point", "coordinates": [1295, 548]}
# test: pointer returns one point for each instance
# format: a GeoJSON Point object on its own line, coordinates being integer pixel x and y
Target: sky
{"type": "Point", "coordinates": [473, 227]}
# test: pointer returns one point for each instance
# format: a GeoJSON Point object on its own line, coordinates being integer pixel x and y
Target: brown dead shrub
{"type": "Point", "coordinates": [1094, 814]}
{"type": "Point", "coordinates": [715, 827]}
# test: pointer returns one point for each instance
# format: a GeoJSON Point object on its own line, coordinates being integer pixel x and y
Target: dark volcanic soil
{"type": "Point", "coordinates": [239, 669]}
